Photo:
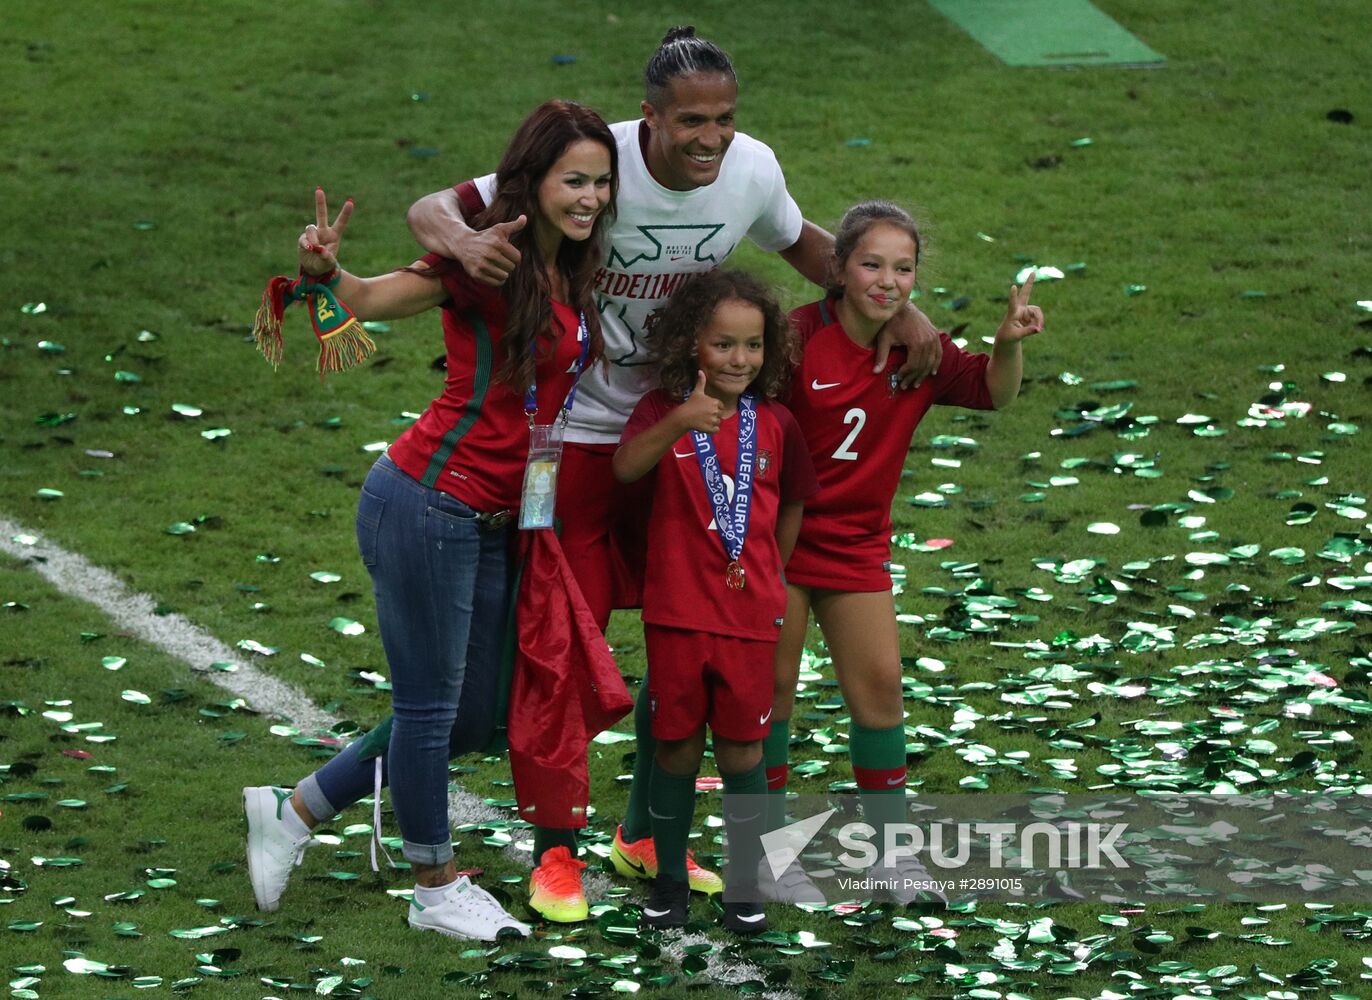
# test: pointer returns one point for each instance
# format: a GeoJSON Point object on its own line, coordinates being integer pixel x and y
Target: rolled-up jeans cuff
{"type": "Point", "coordinates": [427, 854]}
{"type": "Point", "coordinates": [320, 807]}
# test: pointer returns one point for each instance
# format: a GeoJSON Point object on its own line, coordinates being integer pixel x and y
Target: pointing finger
{"type": "Point", "coordinates": [1025, 289]}
{"type": "Point", "coordinates": [321, 208]}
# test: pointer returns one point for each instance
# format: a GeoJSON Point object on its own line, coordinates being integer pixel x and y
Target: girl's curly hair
{"type": "Point", "coordinates": [679, 324]}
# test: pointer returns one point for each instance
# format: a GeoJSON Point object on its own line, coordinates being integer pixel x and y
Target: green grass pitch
{"type": "Point", "coordinates": [1202, 386]}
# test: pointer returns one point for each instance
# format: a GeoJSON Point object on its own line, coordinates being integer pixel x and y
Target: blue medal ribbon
{"type": "Point", "coordinates": [731, 519]}
{"type": "Point", "coordinates": [531, 393]}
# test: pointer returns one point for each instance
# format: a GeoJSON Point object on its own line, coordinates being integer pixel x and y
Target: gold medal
{"type": "Point", "coordinates": [733, 576]}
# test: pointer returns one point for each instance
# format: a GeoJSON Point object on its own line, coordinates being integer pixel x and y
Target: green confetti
{"type": "Point", "coordinates": [197, 933]}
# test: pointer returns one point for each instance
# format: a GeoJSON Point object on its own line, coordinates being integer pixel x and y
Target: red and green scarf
{"type": "Point", "coordinates": [343, 342]}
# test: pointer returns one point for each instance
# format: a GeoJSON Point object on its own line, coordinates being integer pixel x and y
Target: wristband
{"type": "Point", "coordinates": [329, 279]}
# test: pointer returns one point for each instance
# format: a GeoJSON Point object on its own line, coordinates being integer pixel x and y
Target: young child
{"type": "Point", "coordinates": [731, 473]}
{"type": "Point", "coordinates": [858, 425]}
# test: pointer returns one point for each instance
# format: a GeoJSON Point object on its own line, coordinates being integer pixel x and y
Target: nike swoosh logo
{"type": "Point", "coordinates": [637, 866]}
{"type": "Point", "coordinates": [892, 782]}
{"type": "Point", "coordinates": [763, 721]}
{"type": "Point", "coordinates": [750, 918]}
{"type": "Point", "coordinates": [817, 384]}
{"type": "Point", "coordinates": [689, 454]}
{"type": "Point", "coordinates": [648, 911]}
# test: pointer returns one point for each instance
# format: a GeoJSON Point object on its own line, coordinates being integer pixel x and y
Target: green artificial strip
{"type": "Point", "coordinates": [1047, 32]}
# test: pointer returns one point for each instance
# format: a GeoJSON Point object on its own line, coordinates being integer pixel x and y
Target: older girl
{"type": "Point", "coordinates": [858, 425]}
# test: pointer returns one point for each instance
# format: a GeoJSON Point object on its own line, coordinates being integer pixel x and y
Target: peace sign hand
{"type": "Point", "coordinates": [1021, 319]}
{"type": "Point", "coordinates": [318, 244]}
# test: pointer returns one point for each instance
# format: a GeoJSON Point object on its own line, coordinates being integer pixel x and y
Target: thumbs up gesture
{"type": "Point", "coordinates": [489, 255]}
{"type": "Point", "coordinates": [700, 412]}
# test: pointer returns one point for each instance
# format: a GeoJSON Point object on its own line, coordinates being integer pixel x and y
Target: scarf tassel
{"type": "Point", "coordinates": [266, 326]}
{"type": "Point", "coordinates": [344, 347]}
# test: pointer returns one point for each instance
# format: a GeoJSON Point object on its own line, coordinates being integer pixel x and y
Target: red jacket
{"type": "Point", "coordinates": [566, 688]}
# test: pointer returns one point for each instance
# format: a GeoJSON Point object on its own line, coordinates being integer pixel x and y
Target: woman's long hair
{"type": "Point", "coordinates": [537, 144]}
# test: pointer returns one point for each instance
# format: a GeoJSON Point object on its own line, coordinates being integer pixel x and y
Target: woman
{"type": "Point", "coordinates": [435, 516]}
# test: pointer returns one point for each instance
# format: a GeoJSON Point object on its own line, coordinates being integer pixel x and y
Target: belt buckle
{"type": "Point", "coordinates": [496, 520]}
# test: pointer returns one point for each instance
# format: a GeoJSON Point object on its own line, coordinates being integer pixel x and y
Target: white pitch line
{"type": "Point", "coordinates": [176, 635]}
{"type": "Point", "coordinates": [172, 633]}
{"type": "Point", "coordinates": [179, 637]}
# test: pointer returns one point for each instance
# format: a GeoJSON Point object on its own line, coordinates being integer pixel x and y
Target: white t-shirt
{"type": "Point", "coordinates": [659, 238]}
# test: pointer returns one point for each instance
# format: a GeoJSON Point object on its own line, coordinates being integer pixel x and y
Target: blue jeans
{"type": "Point", "coordinates": [441, 579]}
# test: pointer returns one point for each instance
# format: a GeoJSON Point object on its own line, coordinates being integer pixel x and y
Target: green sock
{"type": "Point", "coordinates": [636, 823]}
{"type": "Point", "coordinates": [745, 819]}
{"type": "Point", "coordinates": [546, 837]}
{"type": "Point", "coordinates": [878, 757]}
{"type": "Point", "coordinates": [776, 753]}
{"type": "Point", "coordinates": [672, 806]}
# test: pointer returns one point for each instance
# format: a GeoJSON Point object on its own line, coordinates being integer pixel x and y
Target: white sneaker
{"type": "Point", "coordinates": [272, 849]}
{"type": "Point", "coordinates": [906, 881]}
{"type": "Point", "coordinates": [793, 886]}
{"type": "Point", "coordinates": [468, 912]}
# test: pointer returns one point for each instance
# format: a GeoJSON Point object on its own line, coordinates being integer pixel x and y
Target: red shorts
{"type": "Point", "coordinates": [696, 678]}
{"type": "Point", "coordinates": [829, 559]}
{"type": "Point", "coordinates": [604, 528]}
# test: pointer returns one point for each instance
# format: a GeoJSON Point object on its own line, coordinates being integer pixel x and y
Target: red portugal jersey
{"type": "Point", "coordinates": [473, 440]}
{"type": "Point", "coordinates": [858, 426]}
{"type": "Point", "coordinates": [684, 581]}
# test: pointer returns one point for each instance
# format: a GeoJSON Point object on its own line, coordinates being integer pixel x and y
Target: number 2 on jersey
{"type": "Point", "coordinates": [858, 418]}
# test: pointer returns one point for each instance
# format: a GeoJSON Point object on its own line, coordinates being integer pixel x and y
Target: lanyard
{"type": "Point", "coordinates": [531, 393]}
{"type": "Point", "coordinates": [731, 519]}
